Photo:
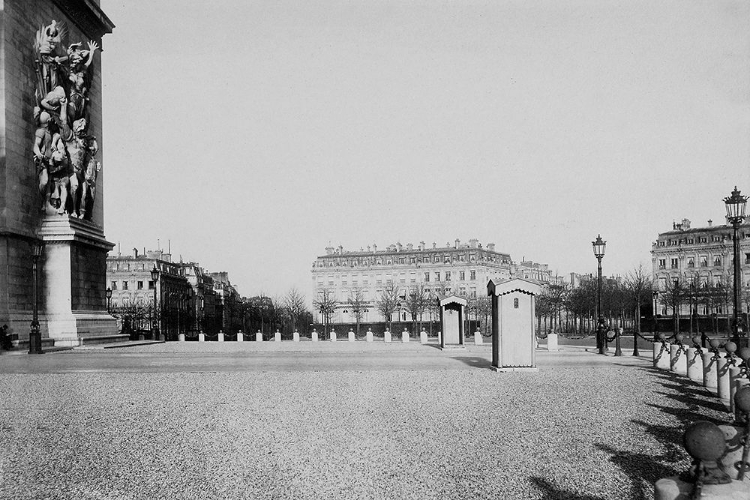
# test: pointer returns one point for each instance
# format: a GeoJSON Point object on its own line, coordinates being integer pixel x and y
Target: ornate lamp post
{"type": "Point", "coordinates": [109, 299]}
{"type": "Point", "coordinates": [599, 247]}
{"type": "Point", "coordinates": [155, 325]}
{"type": "Point", "coordinates": [35, 335]}
{"type": "Point", "coordinates": [735, 215]}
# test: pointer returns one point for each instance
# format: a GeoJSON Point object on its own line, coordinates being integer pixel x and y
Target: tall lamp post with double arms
{"type": "Point", "coordinates": [735, 215]}
{"type": "Point", "coordinates": [599, 247]}
{"type": "Point", "coordinates": [35, 335]}
{"type": "Point", "coordinates": [155, 324]}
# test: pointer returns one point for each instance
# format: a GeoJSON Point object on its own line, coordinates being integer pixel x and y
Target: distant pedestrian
{"type": "Point", "coordinates": [5, 342]}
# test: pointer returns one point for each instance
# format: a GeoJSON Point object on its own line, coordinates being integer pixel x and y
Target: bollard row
{"type": "Point", "coordinates": [315, 336]}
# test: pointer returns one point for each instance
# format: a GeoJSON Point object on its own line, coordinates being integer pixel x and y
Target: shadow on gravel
{"type": "Point", "coordinates": [551, 492]}
{"type": "Point", "coordinates": [642, 469]}
{"type": "Point", "coordinates": [475, 361]}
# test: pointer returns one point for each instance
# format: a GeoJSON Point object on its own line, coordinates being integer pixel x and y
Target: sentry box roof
{"type": "Point", "coordinates": [514, 285]}
{"type": "Point", "coordinates": [453, 299]}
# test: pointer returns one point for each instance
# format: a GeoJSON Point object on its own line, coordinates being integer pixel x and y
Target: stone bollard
{"type": "Point", "coordinates": [677, 360]}
{"type": "Point", "coordinates": [240, 336]}
{"type": "Point", "coordinates": [423, 336]}
{"type": "Point", "coordinates": [201, 337]}
{"type": "Point", "coordinates": [333, 335]}
{"type": "Point", "coordinates": [259, 336]}
{"type": "Point", "coordinates": [722, 378]}
{"type": "Point", "coordinates": [314, 335]}
{"type": "Point", "coordinates": [478, 340]}
{"type": "Point", "coordinates": [710, 377]}
{"type": "Point", "coordinates": [440, 338]}
{"type": "Point", "coordinates": [352, 337]}
{"type": "Point", "coordinates": [735, 376]}
{"type": "Point", "coordinates": [221, 336]}
{"type": "Point", "coordinates": [295, 336]}
{"type": "Point", "coordinates": [387, 336]}
{"type": "Point", "coordinates": [552, 342]}
{"type": "Point", "coordinates": [181, 337]}
{"type": "Point", "coordinates": [405, 336]}
{"type": "Point", "coordinates": [277, 336]}
{"type": "Point", "coordinates": [661, 355]}
{"type": "Point", "coordinates": [369, 337]}
{"type": "Point", "coordinates": [694, 365]}
{"type": "Point", "coordinates": [741, 383]}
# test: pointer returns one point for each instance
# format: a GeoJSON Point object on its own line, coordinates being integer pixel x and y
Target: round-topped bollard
{"type": "Point", "coordinates": [744, 354]}
{"type": "Point", "coordinates": [662, 354]}
{"type": "Point", "coordinates": [742, 400]}
{"type": "Point", "coordinates": [714, 343]}
{"type": "Point", "coordinates": [731, 348]}
{"type": "Point", "coordinates": [696, 341]}
{"type": "Point", "coordinates": [704, 441]}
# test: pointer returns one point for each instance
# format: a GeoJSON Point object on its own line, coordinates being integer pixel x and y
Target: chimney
{"type": "Point", "coordinates": [685, 223]}
{"type": "Point", "coordinates": [491, 247]}
{"type": "Point", "coordinates": [398, 246]}
{"type": "Point", "coordinates": [329, 249]}
{"type": "Point", "coordinates": [374, 247]}
{"type": "Point", "coordinates": [710, 223]}
{"type": "Point", "coordinates": [135, 253]}
{"type": "Point", "coordinates": [434, 245]}
{"type": "Point", "coordinates": [409, 246]}
{"type": "Point", "coordinates": [458, 242]}
{"type": "Point", "coordinates": [421, 245]}
{"type": "Point", "coordinates": [473, 242]}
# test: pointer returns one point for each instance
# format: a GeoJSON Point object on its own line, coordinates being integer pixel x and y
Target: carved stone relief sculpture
{"type": "Point", "coordinates": [64, 153]}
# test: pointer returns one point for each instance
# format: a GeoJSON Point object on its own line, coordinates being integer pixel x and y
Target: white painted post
{"type": "Point", "coordinates": [405, 335]}
{"type": "Point", "coordinates": [440, 338]}
{"type": "Point", "coordinates": [552, 344]}
{"type": "Point", "coordinates": [423, 336]}
{"type": "Point", "coordinates": [694, 365]}
{"type": "Point", "coordinates": [740, 383]}
{"type": "Point", "coordinates": [240, 336]}
{"type": "Point", "coordinates": [314, 335]}
{"type": "Point", "coordinates": [478, 340]}
{"type": "Point", "coordinates": [677, 360]}
{"type": "Point", "coordinates": [201, 337]}
{"type": "Point", "coordinates": [722, 373]}
{"type": "Point", "coordinates": [295, 336]}
{"type": "Point", "coordinates": [181, 337]}
{"type": "Point", "coordinates": [333, 335]}
{"type": "Point", "coordinates": [369, 337]}
{"type": "Point", "coordinates": [277, 336]}
{"type": "Point", "coordinates": [387, 336]}
{"type": "Point", "coordinates": [710, 377]}
{"type": "Point", "coordinates": [661, 355]}
{"type": "Point", "coordinates": [221, 336]}
{"type": "Point", "coordinates": [352, 337]}
{"type": "Point", "coordinates": [734, 378]}
{"type": "Point", "coordinates": [259, 336]}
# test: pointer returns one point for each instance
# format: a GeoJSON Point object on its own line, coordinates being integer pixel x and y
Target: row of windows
{"type": "Point", "coordinates": [138, 285]}
{"type": "Point", "coordinates": [701, 239]}
{"type": "Point", "coordinates": [674, 262]}
{"type": "Point", "coordinates": [379, 261]}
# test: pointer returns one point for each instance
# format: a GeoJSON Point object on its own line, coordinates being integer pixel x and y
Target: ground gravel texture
{"type": "Point", "coordinates": [576, 431]}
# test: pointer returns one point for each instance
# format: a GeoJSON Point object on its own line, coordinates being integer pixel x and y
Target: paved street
{"type": "Point", "coordinates": [189, 420]}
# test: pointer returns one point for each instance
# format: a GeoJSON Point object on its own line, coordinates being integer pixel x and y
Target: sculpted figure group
{"type": "Point", "coordinates": [64, 153]}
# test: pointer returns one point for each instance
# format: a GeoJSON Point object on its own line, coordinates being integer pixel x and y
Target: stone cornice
{"type": "Point", "coordinates": [62, 229]}
{"type": "Point", "coordinates": [88, 16]}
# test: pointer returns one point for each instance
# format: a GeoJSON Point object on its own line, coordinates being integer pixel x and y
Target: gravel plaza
{"type": "Point", "coordinates": [339, 420]}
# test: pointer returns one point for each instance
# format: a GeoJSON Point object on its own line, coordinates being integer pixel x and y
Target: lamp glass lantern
{"type": "Point", "coordinates": [599, 247]}
{"type": "Point", "coordinates": [154, 274]}
{"type": "Point", "coordinates": [109, 293]}
{"type": "Point", "coordinates": [736, 205]}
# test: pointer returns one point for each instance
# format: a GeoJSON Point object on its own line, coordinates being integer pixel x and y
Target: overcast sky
{"type": "Point", "coordinates": [251, 134]}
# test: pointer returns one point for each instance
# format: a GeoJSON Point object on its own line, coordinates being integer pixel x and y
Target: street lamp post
{"type": "Point", "coordinates": [735, 205]}
{"type": "Point", "coordinates": [35, 335]}
{"type": "Point", "coordinates": [155, 324]}
{"type": "Point", "coordinates": [109, 299]}
{"type": "Point", "coordinates": [599, 247]}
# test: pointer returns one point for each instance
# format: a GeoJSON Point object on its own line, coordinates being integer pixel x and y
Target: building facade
{"type": "Point", "coordinates": [186, 299]}
{"type": "Point", "coordinates": [460, 268]}
{"type": "Point", "coordinates": [700, 259]}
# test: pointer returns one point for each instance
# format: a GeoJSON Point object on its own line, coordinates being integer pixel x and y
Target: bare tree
{"type": "Point", "coordinates": [326, 304]}
{"type": "Point", "coordinates": [388, 302]}
{"type": "Point", "coordinates": [357, 304]}
{"type": "Point", "coordinates": [416, 303]}
{"type": "Point", "coordinates": [640, 287]}
{"type": "Point", "coordinates": [294, 303]}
